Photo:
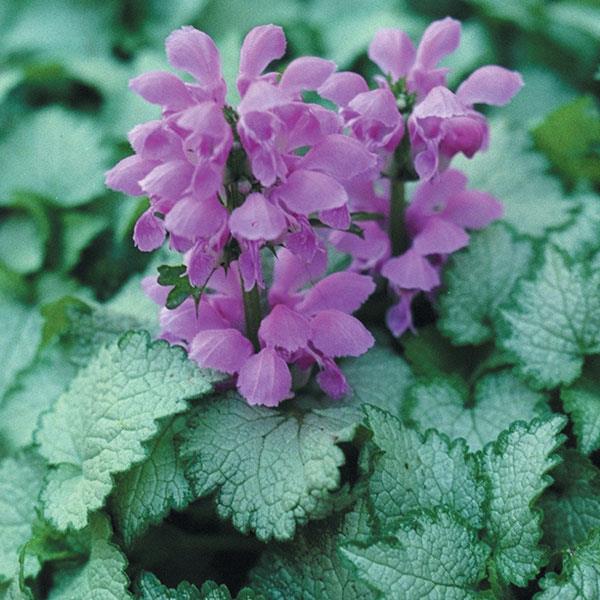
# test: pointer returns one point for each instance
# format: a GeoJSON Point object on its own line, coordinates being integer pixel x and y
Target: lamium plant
{"type": "Point", "coordinates": [327, 334]}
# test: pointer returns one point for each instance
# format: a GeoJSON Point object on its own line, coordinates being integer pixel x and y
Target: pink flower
{"type": "Point", "coordinates": [394, 53]}
{"type": "Point", "coordinates": [304, 327]}
{"type": "Point", "coordinates": [440, 212]}
{"type": "Point", "coordinates": [444, 123]}
{"type": "Point", "coordinates": [198, 196]}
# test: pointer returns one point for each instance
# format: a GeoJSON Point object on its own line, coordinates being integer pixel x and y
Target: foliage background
{"type": "Point", "coordinates": [65, 110]}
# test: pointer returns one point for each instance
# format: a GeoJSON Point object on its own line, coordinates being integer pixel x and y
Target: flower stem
{"type": "Point", "coordinates": [398, 235]}
{"type": "Point", "coordinates": [252, 314]}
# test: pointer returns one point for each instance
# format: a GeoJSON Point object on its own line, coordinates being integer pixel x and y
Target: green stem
{"type": "Point", "coordinates": [252, 314]}
{"type": "Point", "coordinates": [398, 235]}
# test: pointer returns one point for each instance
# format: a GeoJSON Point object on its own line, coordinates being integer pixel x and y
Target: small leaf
{"type": "Point", "coordinates": [432, 555]}
{"type": "Point", "coordinates": [582, 401]}
{"type": "Point", "coordinates": [150, 588]}
{"type": "Point", "coordinates": [19, 342]}
{"type": "Point", "coordinates": [556, 321]}
{"type": "Point", "coordinates": [101, 577]}
{"type": "Point", "coordinates": [235, 449]}
{"type": "Point", "coordinates": [97, 428]}
{"type": "Point", "coordinates": [499, 399]}
{"type": "Point", "coordinates": [580, 576]}
{"type": "Point", "coordinates": [147, 492]}
{"type": "Point", "coordinates": [478, 281]}
{"type": "Point", "coordinates": [310, 567]}
{"type": "Point", "coordinates": [420, 472]}
{"type": "Point", "coordinates": [21, 245]}
{"type": "Point", "coordinates": [21, 481]}
{"type": "Point", "coordinates": [515, 468]}
{"type": "Point", "coordinates": [571, 505]}
{"type": "Point", "coordinates": [49, 146]}
{"type": "Point", "coordinates": [568, 137]}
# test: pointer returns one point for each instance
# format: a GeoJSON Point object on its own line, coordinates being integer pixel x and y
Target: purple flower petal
{"type": "Point", "coordinates": [336, 218]}
{"type": "Point", "coordinates": [169, 180]}
{"type": "Point", "coordinates": [224, 350]}
{"type": "Point", "coordinates": [334, 333]}
{"type": "Point", "coordinates": [185, 321]}
{"type": "Point", "coordinates": [265, 379]}
{"type": "Point", "coordinates": [343, 291]}
{"type": "Point", "coordinates": [440, 39]}
{"type": "Point", "coordinates": [393, 52]}
{"type": "Point", "coordinates": [153, 141]}
{"type": "Point", "coordinates": [339, 156]}
{"type": "Point", "coordinates": [290, 273]}
{"type": "Point", "coordinates": [340, 88]}
{"type": "Point", "coordinates": [411, 271]}
{"type": "Point", "coordinates": [126, 175]}
{"type": "Point", "coordinates": [250, 266]}
{"type": "Point", "coordinates": [284, 328]}
{"type": "Point", "coordinates": [440, 237]}
{"type": "Point", "coordinates": [306, 192]}
{"type": "Point", "coordinates": [257, 219]}
{"type": "Point", "coordinates": [261, 46]}
{"type": "Point", "coordinates": [194, 219]}
{"type": "Point", "coordinates": [163, 88]}
{"type": "Point", "coordinates": [149, 232]}
{"type": "Point", "coordinates": [399, 317]}
{"type": "Point", "coordinates": [200, 266]}
{"type": "Point", "coordinates": [490, 85]}
{"type": "Point", "coordinates": [332, 381]}
{"type": "Point", "coordinates": [440, 102]}
{"type": "Point", "coordinates": [473, 209]}
{"type": "Point", "coordinates": [305, 73]}
{"type": "Point", "coordinates": [194, 52]}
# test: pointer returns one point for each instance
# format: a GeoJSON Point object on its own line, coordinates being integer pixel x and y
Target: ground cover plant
{"type": "Point", "coordinates": [299, 300]}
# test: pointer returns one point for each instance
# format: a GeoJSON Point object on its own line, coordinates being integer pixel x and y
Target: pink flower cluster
{"type": "Point", "coordinates": [303, 327]}
{"type": "Point", "coordinates": [440, 124]}
{"type": "Point", "coordinates": [293, 175]}
{"type": "Point", "coordinates": [187, 163]}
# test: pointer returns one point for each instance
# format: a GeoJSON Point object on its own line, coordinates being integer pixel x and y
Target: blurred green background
{"type": "Point", "coordinates": [65, 107]}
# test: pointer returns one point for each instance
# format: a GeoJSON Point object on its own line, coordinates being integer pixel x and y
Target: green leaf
{"type": "Point", "coordinates": [21, 245]}
{"type": "Point", "coordinates": [83, 329]}
{"type": "Point", "coordinates": [556, 321]}
{"type": "Point", "coordinates": [533, 200]}
{"type": "Point", "coordinates": [571, 505]}
{"type": "Point", "coordinates": [420, 472]}
{"type": "Point", "coordinates": [235, 449]}
{"type": "Point", "coordinates": [21, 336]}
{"type": "Point", "coordinates": [35, 390]}
{"type": "Point", "coordinates": [97, 428]}
{"type": "Point", "coordinates": [544, 91]}
{"type": "Point", "coordinates": [581, 237]}
{"type": "Point", "coordinates": [569, 136]}
{"type": "Point", "coordinates": [21, 480]}
{"type": "Point", "coordinates": [432, 555]}
{"type": "Point", "coordinates": [499, 399]}
{"type": "Point", "coordinates": [582, 401]}
{"type": "Point", "coordinates": [515, 468]}
{"type": "Point", "coordinates": [431, 354]}
{"type": "Point", "coordinates": [478, 281]}
{"type": "Point", "coordinates": [58, 30]}
{"type": "Point", "coordinates": [43, 155]}
{"type": "Point", "coordinates": [310, 567]}
{"type": "Point", "coordinates": [150, 588]}
{"type": "Point", "coordinates": [580, 576]}
{"type": "Point", "coordinates": [102, 577]}
{"type": "Point", "coordinates": [147, 492]}
{"type": "Point", "coordinates": [79, 229]}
